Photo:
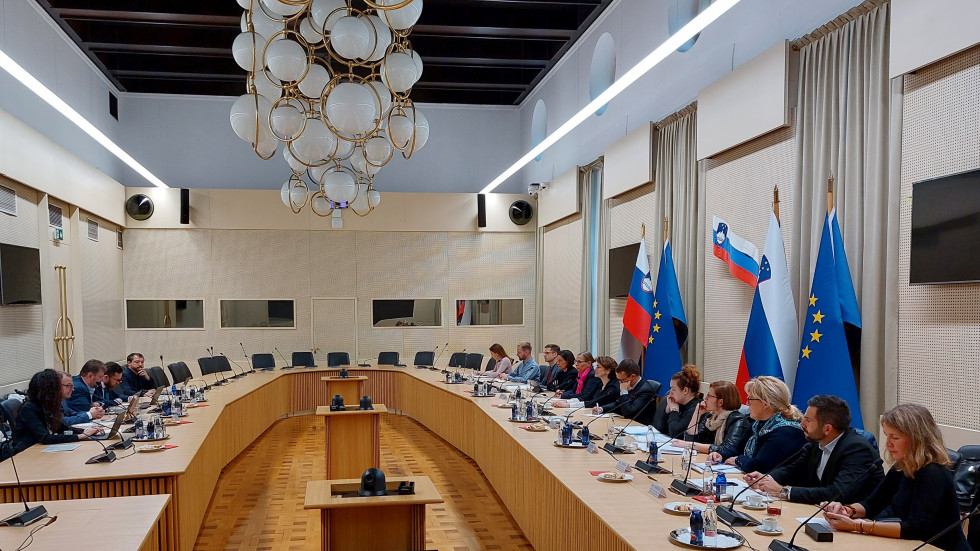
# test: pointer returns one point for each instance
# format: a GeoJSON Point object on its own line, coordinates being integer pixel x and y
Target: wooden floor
{"type": "Point", "coordinates": [258, 503]}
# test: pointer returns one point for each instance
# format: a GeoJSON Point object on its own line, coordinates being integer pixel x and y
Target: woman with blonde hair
{"type": "Point", "coordinates": [776, 433]}
{"type": "Point", "coordinates": [917, 494]}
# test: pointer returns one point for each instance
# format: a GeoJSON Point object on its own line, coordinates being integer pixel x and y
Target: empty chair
{"type": "Point", "coordinates": [263, 361]}
{"type": "Point", "coordinates": [491, 363]}
{"type": "Point", "coordinates": [179, 372]}
{"type": "Point", "coordinates": [387, 358]}
{"type": "Point", "coordinates": [221, 364]}
{"type": "Point", "coordinates": [457, 359]}
{"type": "Point", "coordinates": [337, 359]}
{"type": "Point", "coordinates": [966, 477]}
{"type": "Point", "coordinates": [303, 359]}
{"type": "Point", "coordinates": [157, 375]}
{"type": "Point", "coordinates": [473, 361]}
{"type": "Point", "coordinates": [426, 358]}
{"type": "Point", "coordinates": [206, 364]}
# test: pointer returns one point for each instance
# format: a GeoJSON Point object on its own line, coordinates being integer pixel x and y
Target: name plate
{"type": "Point", "coordinates": [656, 490]}
{"type": "Point", "coordinates": [623, 466]}
{"type": "Point", "coordinates": [592, 448]}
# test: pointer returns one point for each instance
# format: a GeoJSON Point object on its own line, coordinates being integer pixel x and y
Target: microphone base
{"type": "Point", "coordinates": [363, 365]}
{"type": "Point", "coordinates": [732, 517]}
{"type": "Point", "coordinates": [777, 545]}
{"type": "Point", "coordinates": [24, 518]}
{"type": "Point", "coordinates": [287, 367]}
{"type": "Point", "coordinates": [104, 457]}
{"type": "Point", "coordinates": [433, 368]}
{"type": "Point", "coordinates": [686, 488]}
{"type": "Point", "coordinates": [613, 448]}
{"type": "Point", "coordinates": [123, 444]}
{"type": "Point", "coordinates": [650, 468]}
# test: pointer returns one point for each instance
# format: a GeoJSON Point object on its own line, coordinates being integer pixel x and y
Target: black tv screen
{"type": "Point", "coordinates": [20, 275]}
{"type": "Point", "coordinates": [945, 246]}
{"type": "Point", "coordinates": [622, 260]}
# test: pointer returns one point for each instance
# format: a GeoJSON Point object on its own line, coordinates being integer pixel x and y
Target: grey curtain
{"type": "Point", "coordinates": [680, 198]}
{"type": "Point", "coordinates": [843, 128]}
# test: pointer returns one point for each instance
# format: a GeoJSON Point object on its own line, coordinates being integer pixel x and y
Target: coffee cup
{"type": "Point", "coordinates": [770, 524]}
{"type": "Point", "coordinates": [753, 500]}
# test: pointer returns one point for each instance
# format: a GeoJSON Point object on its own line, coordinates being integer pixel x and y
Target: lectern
{"type": "Point", "coordinates": [351, 388]}
{"type": "Point", "coordinates": [382, 523]}
{"type": "Point", "coordinates": [352, 439]}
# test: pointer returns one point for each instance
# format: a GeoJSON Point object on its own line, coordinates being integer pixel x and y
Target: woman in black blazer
{"type": "Point", "coordinates": [39, 419]}
{"type": "Point", "coordinates": [565, 379]}
{"type": "Point", "coordinates": [600, 386]}
{"type": "Point", "coordinates": [720, 424]}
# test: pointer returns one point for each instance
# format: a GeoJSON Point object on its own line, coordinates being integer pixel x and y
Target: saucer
{"type": "Point", "coordinates": [762, 507]}
{"type": "Point", "coordinates": [759, 530]}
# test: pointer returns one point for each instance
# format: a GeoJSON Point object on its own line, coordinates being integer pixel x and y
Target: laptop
{"type": "Point", "coordinates": [133, 400]}
{"type": "Point", "coordinates": [155, 399]}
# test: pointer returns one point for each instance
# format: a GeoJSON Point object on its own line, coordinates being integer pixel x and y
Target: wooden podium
{"type": "Point", "coordinates": [352, 440]}
{"type": "Point", "coordinates": [381, 523]}
{"type": "Point", "coordinates": [351, 388]}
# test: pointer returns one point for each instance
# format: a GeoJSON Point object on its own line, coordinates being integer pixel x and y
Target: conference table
{"type": "Point", "coordinates": [550, 491]}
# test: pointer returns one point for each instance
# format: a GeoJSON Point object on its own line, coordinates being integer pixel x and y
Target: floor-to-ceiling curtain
{"type": "Point", "coordinates": [680, 198]}
{"type": "Point", "coordinates": [842, 129]}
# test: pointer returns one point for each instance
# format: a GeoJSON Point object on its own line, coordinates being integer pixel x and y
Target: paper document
{"type": "Point", "coordinates": [720, 468]}
{"type": "Point", "coordinates": [60, 448]}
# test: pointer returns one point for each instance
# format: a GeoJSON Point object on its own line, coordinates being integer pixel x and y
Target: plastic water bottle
{"type": "Point", "coordinates": [513, 411]}
{"type": "Point", "coordinates": [176, 410]}
{"type": "Point", "coordinates": [584, 435]}
{"type": "Point", "coordinates": [710, 524]}
{"type": "Point", "coordinates": [651, 442]}
{"type": "Point", "coordinates": [140, 430]}
{"type": "Point", "coordinates": [721, 484]}
{"type": "Point", "coordinates": [707, 483]}
{"type": "Point", "coordinates": [530, 410]}
{"type": "Point", "coordinates": [173, 391]}
{"type": "Point", "coordinates": [697, 527]}
{"type": "Point", "coordinates": [566, 434]}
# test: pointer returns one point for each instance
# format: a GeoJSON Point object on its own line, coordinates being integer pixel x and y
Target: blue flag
{"type": "Point", "coordinates": [825, 362]}
{"type": "Point", "coordinates": [668, 328]}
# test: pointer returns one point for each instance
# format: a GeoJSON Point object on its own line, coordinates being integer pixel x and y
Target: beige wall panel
{"type": "Point", "coordinates": [738, 189]}
{"type": "Point", "coordinates": [102, 291]}
{"type": "Point", "coordinates": [335, 329]}
{"type": "Point", "coordinates": [241, 208]}
{"type": "Point", "coordinates": [562, 284]}
{"type": "Point", "coordinates": [627, 213]}
{"type": "Point", "coordinates": [939, 323]}
{"type": "Point", "coordinates": [333, 263]}
{"type": "Point", "coordinates": [925, 31]}
{"type": "Point", "coordinates": [559, 199]}
{"type": "Point", "coordinates": [628, 163]}
{"type": "Point", "coordinates": [21, 229]}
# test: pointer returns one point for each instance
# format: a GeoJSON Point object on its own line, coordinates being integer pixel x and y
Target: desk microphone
{"type": "Point", "coordinates": [611, 447]}
{"type": "Point", "coordinates": [243, 373]}
{"type": "Point", "coordinates": [107, 455]}
{"type": "Point", "coordinates": [778, 545]}
{"type": "Point", "coordinates": [459, 366]}
{"type": "Point", "coordinates": [956, 524]}
{"type": "Point", "coordinates": [433, 359]}
{"type": "Point", "coordinates": [365, 362]}
{"type": "Point", "coordinates": [251, 368]}
{"type": "Point", "coordinates": [731, 517]}
{"type": "Point", "coordinates": [650, 465]}
{"type": "Point", "coordinates": [436, 360]}
{"type": "Point", "coordinates": [30, 514]}
{"type": "Point", "coordinates": [216, 381]}
{"type": "Point", "coordinates": [287, 366]}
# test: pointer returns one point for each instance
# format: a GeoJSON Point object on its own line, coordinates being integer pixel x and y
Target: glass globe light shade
{"type": "Point", "coordinates": [316, 79]}
{"type": "Point", "coordinates": [245, 120]}
{"type": "Point", "coordinates": [266, 87]}
{"type": "Point", "coordinates": [309, 33]}
{"type": "Point", "coordinates": [294, 164]}
{"type": "Point", "coordinates": [351, 108]}
{"type": "Point", "coordinates": [284, 193]}
{"type": "Point", "coordinates": [297, 193]}
{"type": "Point", "coordinates": [400, 130]}
{"type": "Point", "coordinates": [404, 17]}
{"type": "Point", "coordinates": [324, 13]}
{"type": "Point", "coordinates": [243, 50]}
{"type": "Point", "coordinates": [380, 38]}
{"type": "Point", "coordinates": [244, 4]}
{"type": "Point", "coordinates": [344, 149]}
{"type": "Point", "coordinates": [350, 37]}
{"type": "Point", "coordinates": [282, 9]}
{"type": "Point", "coordinates": [320, 204]}
{"type": "Point", "coordinates": [317, 173]}
{"type": "Point", "coordinates": [267, 146]}
{"type": "Point", "coordinates": [399, 71]}
{"type": "Point", "coordinates": [287, 120]}
{"type": "Point", "coordinates": [339, 186]}
{"type": "Point", "coordinates": [315, 143]}
{"type": "Point", "coordinates": [360, 164]}
{"type": "Point", "coordinates": [421, 130]}
{"type": "Point", "coordinates": [374, 198]}
{"type": "Point", "coordinates": [378, 150]}
{"type": "Point", "coordinates": [244, 23]}
{"type": "Point", "coordinates": [418, 64]}
{"type": "Point", "coordinates": [360, 202]}
{"type": "Point", "coordinates": [266, 26]}
{"type": "Point", "coordinates": [286, 60]}
{"type": "Point", "coordinates": [384, 95]}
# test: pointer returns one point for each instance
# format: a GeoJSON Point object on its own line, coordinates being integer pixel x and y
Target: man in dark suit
{"type": "Point", "coordinates": [550, 370]}
{"type": "Point", "coordinates": [835, 457]}
{"type": "Point", "coordinates": [635, 394]}
{"type": "Point", "coordinates": [86, 391]}
{"type": "Point", "coordinates": [135, 378]}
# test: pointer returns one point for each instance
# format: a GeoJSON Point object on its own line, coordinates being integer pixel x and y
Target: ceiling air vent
{"type": "Point", "coordinates": [93, 229]}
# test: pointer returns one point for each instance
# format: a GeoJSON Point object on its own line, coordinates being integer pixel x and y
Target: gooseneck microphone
{"type": "Point", "coordinates": [217, 382]}
{"type": "Point", "coordinates": [285, 361]}
{"type": "Point", "coordinates": [30, 514]}
{"type": "Point", "coordinates": [650, 465]}
{"type": "Point", "coordinates": [611, 447]}
{"type": "Point", "coordinates": [779, 545]}
{"type": "Point", "coordinates": [107, 455]}
{"type": "Point", "coordinates": [436, 360]}
{"type": "Point", "coordinates": [731, 517]}
{"type": "Point", "coordinates": [251, 368]}
{"type": "Point", "coordinates": [242, 374]}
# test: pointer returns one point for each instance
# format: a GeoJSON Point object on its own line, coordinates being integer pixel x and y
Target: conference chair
{"type": "Point", "coordinates": [221, 364]}
{"type": "Point", "coordinates": [305, 359]}
{"type": "Point", "coordinates": [543, 369]}
{"type": "Point", "coordinates": [179, 372]}
{"type": "Point", "coordinates": [387, 358]}
{"type": "Point", "coordinates": [157, 375]}
{"type": "Point", "coordinates": [656, 386]}
{"type": "Point", "coordinates": [206, 364]}
{"type": "Point", "coordinates": [10, 407]}
{"type": "Point", "coordinates": [473, 361]}
{"type": "Point", "coordinates": [425, 358]}
{"type": "Point", "coordinates": [869, 436]}
{"type": "Point", "coordinates": [263, 361]}
{"type": "Point", "coordinates": [457, 359]}
{"type": "Point", "coordinates": [491, 363]}
{"type": "Point", "coordinates": [337, 359]}
{"type": "Point", "coordinates": [966, 476]}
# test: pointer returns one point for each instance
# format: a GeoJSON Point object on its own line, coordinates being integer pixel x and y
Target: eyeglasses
{"type": "Point", "coordinates": [116, 379]}
{"type": "Point", "coordinates": [67, 385]}
{"type": "Point", "coordinates": [711, 396]}
{"type": "Point", "coordinates": [751, 399]}
{"type": "Point", "coordinates": [581, 361]}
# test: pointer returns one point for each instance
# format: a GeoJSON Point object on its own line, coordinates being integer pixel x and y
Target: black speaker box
{"type": "Point", "coordinates": [185, 206]}
{"type": "Point", "coordinates": [481, 210]}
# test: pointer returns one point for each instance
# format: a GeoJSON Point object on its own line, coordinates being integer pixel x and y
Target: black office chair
{"type": "Point", "coordinates": [337, 359]}
{"type": "Point", "coordinates": [303, 359]}
{"type": "Point", "coordinates": [491, 363]}
{"type": "Point", "coordinates": [869, 436]}
{"type": "Point", "coordinates": [10, 408]}
{"type": "Point", "coordinates": [425, 359]}
{"type": "Point", "coordinates": [656, 386]}
{"type": "Point", "coordinates": [387, 358]}
{"type": "Point", "coordinates": [457, 359]}
{"type": "Point", "coordinates": [263, 361]}
{"type": "Point", "coordinates": [179, 372]}
{"type": "Point", "coordinates": [221, 364]}
{"type": "Point", "coordinates": [473, 361]}
{"type": "Point", "coordinates": [206, 364]}
{"type": "Point", "coordinates": [157, 375]}
{"type": "Point", "coordinates": [966, 477]}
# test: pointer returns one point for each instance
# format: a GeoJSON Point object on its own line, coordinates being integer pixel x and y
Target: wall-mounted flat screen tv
{"type": "Point", "coordinates": [622, 260]}
{"type": "Point", "coordinates": [20, 275]}
{"type": "Point", "coordinates": [945, 245]}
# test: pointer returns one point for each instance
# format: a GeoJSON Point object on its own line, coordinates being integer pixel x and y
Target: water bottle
{"type": "Point", "coordinates": [686, 459]}
{"type": "Point", "coordinates": [530, 411]}
{"type": "Point", "coordinates": [173, 391]}
{"type": "Point", "coordinates": [138, 427]}
{"type": "Point", "coordinates": [449, 377]}
{"type": "Point", "coordinates": [517, 394]}
{"type": "Point", "coordinates": [710, 524]}
{"type": "Point", "coordinates": [707, 483]}
{"type": "Point", "coordinates": [584, 435]}
{"type": "Point", "coordinates": [697, 527]}
{"type": "Point", "coordinates": [176, 410]}
{"type": "Point", "coordinates": [476, 388]}
{"type": "Point", "coordinates": [651, 442]}
{"type": "Point", "coordinates": [566, 434]}
{"type": "Point", "coordinates": [521, 411]}
{"type": "Point", "coordinates": [513, 411]}
{"type": "Point", "coordinates": [721, 484]}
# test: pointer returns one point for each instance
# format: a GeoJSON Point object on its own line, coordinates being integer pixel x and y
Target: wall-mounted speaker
{"type": "Point", "coordinates": [481, 210]}
{"type": "Point", "coordinates": [521, 212]}
{"type": "Point", "coordinates": [139, 207]}
{"type": "Point", "coordinates": [185, 206]}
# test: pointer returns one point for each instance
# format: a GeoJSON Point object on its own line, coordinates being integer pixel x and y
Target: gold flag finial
{"type": "Point", "coordinates": [643, 230]}
{"type": "Point", "coordinates": [775, 202]}
{"type": "Point", "coordinates": [830, 193]}
{"type": "Point", "coordinates": [666, 225]}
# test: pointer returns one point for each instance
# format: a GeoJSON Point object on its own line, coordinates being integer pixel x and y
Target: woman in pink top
{"type": "Point", "coordinates": [503, 365]}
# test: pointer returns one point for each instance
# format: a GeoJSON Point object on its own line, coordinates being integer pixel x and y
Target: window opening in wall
{"type": "Point", "coordinates": [8, 201]}
{"type": "Point", "coordinates": [93, 229]}
{"type": "Point", "coordinates": [55, 217]}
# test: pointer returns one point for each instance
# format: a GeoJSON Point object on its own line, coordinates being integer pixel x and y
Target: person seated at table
{"type": "Point", "coordinates": [917, 496]}
{"type": "Point", "coordinates": [565, 380]}
{"type": "Point", "coordinates": [635, 394]}
{"type": "Point", "coordinates": [527, 370]}
{"type": "Point", "coordinates": [835, 459]}
{"type": "Point", "coordinates": [503, 362]}
{"type": "Point", "coordinates": [676, 413]}
{"type": "Point", "coordinates": [720, 423]}
{"type": "Point", "coordinates": [776, 432]}
{"type": "Point", "coordinates": [605, 389]}
{"type": "Point", "coordinates": [584, 385]}
{"type": "Point", "coordinates": [40, 417]}
{"type": "Point", "coordinates": [113, 378]}
{"type": "Point", "coordinates": [551, 369]}
{"type": "Point", "coordinates": [135, 377]}
{"type": "Point", "coordinates": [86, 386]}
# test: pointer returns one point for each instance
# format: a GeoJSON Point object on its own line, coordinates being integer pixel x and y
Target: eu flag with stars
{"type": "Point", "coordinates": [825, 363]}
{"type": "Point", "coordinates": [668, 328]}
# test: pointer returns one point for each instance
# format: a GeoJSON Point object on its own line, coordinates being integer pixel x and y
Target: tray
{"type": "Point", "coordinates": [725, 539]}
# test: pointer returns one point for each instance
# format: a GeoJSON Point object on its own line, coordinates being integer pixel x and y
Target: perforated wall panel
{"type": "Point", "coordinates": [334, 328]}
{"type": "Point", "coordinates": [626, 214]}
{"type": "Point", "coordinates": [738, 189]}
{"type": "Point", "coordinates": [939, 332]}
{"type": "Point", "coordinates": [562, 296]}
{"type": "Point", "coordinates": [102, 288]}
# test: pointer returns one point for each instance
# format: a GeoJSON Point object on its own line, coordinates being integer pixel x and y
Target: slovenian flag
{"type": "Point", "coordinates": [740, 254]}
{"type": "Point", "coordinates": [772, 334]}
{"type": "Point", "coordinates": [668, 329]}
{"type": "Point", "coordinates": [639, 309]}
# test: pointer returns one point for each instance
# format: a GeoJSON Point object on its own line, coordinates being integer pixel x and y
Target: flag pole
{"type": "Point", "coordinates": [665, 229]}
{"type": "Point", "coordinates": [775, 202]}
{"type": "Point", "coordinates": [643, 230]}
{"type": "Point", "coordinates": [830, 193]}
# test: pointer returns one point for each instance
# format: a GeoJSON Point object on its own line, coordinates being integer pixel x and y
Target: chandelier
{"type": "Point", "coordinates": [331, 80]}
